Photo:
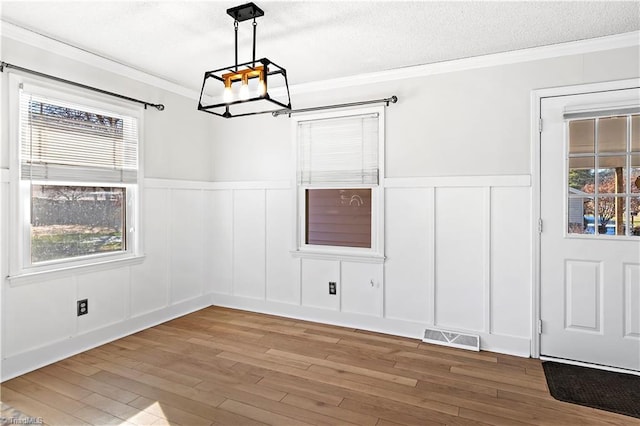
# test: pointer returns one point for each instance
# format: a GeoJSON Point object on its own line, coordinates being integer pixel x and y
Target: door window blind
{"type": "Point", "coordinates": [63, 141]}
{"type": "Point", "coordinates": [342, 150]}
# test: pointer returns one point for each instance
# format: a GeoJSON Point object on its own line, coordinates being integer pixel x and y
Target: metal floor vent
{"type": "Point", "coordinates": [452, 339]}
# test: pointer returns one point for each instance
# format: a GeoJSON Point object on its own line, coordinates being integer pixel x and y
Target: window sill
{"type": "Point", "coordinates": [336, 255]}
{"type": "Point", "coordinates": [30, 277]}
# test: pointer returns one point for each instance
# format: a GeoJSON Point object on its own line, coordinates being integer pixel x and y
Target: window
{"type": "Point", "coordinates": [339, 175]}
{"type": "Point", "coordinates": [72, 221]}
{"type": "Point", "coordinates": [338, 217]}
{"type": "Point", "coordinates": [604, 176]}
{"type": "Point", "coordinates": [76, 180]}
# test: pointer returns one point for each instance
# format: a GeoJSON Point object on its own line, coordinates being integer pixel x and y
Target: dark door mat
{"type": "Point", "coordinates": [605, 390]}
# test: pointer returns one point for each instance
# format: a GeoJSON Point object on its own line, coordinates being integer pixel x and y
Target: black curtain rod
{"type": "Point", "coordinates": [3, 65]}
{"type": "Point", "coordinates": [387, 101]}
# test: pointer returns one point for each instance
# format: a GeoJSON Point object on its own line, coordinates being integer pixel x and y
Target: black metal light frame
{"type": "Point", "coordinates": [263, 69]}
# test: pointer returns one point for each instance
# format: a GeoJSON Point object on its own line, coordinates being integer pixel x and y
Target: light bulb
{"type": "Point", "coordinates": [244, 92]}
{"type": "Point", "coordinates": [228, 94]}
{"type": "Point", "coordinates": [262, 88]}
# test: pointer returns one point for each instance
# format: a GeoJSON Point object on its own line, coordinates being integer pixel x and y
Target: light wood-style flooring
{"type": "Point", "coordinates": [230, 367]}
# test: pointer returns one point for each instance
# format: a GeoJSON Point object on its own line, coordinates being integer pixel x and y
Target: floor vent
{"type": "Point", "coordinates": [452, 339]}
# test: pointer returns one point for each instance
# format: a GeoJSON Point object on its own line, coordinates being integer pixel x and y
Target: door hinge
{"type": "Point", "coordinates": [540, 125]}
{"type": "Point", "coordinates": [539, 326]}
{"type": "Point", "coordinates": [539, 226]}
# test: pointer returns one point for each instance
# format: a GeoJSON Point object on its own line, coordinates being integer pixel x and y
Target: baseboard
{"type": "Point", "coordinates": [510, 345]}
{"type": "Point", "coordinates": [31, 360]}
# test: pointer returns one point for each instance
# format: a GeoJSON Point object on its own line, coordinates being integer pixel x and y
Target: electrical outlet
{"type": "Point", "coordinates": [83, 307]}
{"type": "Point", "coordinates": [332, 287]}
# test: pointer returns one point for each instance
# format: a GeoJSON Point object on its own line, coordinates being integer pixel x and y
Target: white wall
{"type": "Point", "coordinates": [39, 322]}
{"type": "Point", "coordinates": [472, 122]}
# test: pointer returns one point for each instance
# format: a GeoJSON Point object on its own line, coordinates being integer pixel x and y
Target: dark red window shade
{"type": "Point", "coordinates": [338, 217]}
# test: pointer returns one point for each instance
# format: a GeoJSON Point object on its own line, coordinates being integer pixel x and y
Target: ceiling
{"type": "Point", "coordinates": [314, 40]}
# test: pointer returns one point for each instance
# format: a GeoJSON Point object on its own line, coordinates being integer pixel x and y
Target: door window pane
{"type": "Point", "coordinates": [73, 221]}
{"type": "Point", "coordinates": [581, 136]}
{"type": "Point", "coordinates": [580, 215]}
{"type": "Point", "coordinates": [612, 134]}
{"type": "Point", "coordinates": [611, 212]}
{"type": "Point", "coordinates": [582, 175]}
{"type": "Point", "coordinates": [612, 175]}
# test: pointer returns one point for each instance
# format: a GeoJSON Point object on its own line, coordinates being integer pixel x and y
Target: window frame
{"type": "Point", "coordinates": [374, 254]}
{"type": "Point", "coordinates": [20, 265]}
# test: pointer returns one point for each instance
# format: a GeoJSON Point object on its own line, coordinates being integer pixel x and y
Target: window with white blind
{"type": "Point", "coordinates": [76, 180]}
{"type": "Point", "coordinates": [339, 175]}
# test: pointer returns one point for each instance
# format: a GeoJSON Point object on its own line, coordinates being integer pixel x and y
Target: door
{"type": "Point", "coordinates": [590, 239]}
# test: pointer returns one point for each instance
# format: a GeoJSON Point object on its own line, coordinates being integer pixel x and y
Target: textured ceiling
{"type": "Point", "coordinates": [180, 40]}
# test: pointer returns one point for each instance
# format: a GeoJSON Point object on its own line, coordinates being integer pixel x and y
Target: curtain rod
{"type": "Point", "coordinates": [392, 99]}
{"type": "Point", "coordinates": [3, 65]}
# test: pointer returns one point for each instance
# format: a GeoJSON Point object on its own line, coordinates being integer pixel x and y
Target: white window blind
{"type": "Point", "coordinates": [63, 141]}
{"type": "Point", "coordinates": [341, 150]}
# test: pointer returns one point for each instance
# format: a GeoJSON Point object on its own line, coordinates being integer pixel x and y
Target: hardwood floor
{"type": "Point", "coordinates": [229, 367]}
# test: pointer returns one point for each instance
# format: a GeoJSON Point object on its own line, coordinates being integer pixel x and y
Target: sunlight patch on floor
{"type": "Point", "coordinates": [151, 415]}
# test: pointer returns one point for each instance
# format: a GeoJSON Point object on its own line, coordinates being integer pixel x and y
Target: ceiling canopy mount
{"type": "Point", "coordinates": [246, 11]}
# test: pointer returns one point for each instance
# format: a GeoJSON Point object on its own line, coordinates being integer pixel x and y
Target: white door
{"type": "Point", "coordinates": [590, 240]}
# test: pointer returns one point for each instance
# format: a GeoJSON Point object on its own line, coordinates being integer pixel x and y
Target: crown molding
{"type": "Point", "coordinates": [616, 41]}
{"type": "Point", "coordinates": [49, 44]}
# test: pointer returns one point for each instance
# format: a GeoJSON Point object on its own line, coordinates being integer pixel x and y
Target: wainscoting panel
{"type": "Point", "coordinates": [282, 274]}
{"type": "Point", "coordinates": [316, 275]}
{"type": "Point", "coordinates": [150, 280]}
{"type": "Point", "coordinates": [510, 261]}
{"type": "Point", "coordinates": [249, 242]}
{"type": "Point", "coordinates": [408, 240]}
{"type": "Point", "coordinates": [362, 288]}
{"type": "Point", "coordinates": [50, 317]}
{"type": "Point", "coordinates": [107, 293]}
{"type": "Point", "coordinates": [187, 243]}
{"type": "Point", "coordinates": [219, 218]}
{"type": "Point", "coordinates": [461, 258]}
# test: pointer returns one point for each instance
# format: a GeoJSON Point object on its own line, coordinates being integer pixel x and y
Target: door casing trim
{"type": "Point", "coordinates": [536, 138]}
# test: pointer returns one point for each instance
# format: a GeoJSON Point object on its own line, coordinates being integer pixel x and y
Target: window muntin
{"type": "Point", "coordinates": [76, 180]}
{"type": "Point", "coordinates": [603, 156]}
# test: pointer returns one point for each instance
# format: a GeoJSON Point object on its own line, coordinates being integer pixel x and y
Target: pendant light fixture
{"type": "Point", "coordinates": [254, 87]}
